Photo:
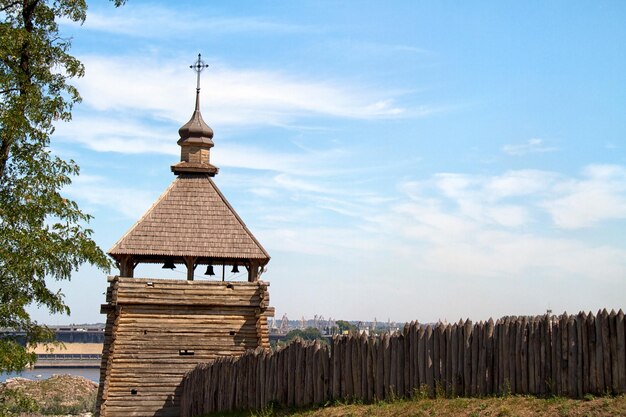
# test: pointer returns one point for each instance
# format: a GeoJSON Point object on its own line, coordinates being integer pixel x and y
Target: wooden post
{"type": "Point", "coordinates": [441, 332]}
{"type": "Point", "coordinates": [369, 370]}
{"type": "Point", "coordinates": [490, 358]}
{"type": "Point", "coordinates": [307, 366]}
{"type": "Point", "coordinates": [544, 337]}
{"type": "Point", "coordinates": [429, 360]}
{"type": "Point", "coordinates": [520, 357]}
{"type": "Point", "coordinates": [393, 370]}
{"type": "Point", "coordinates": [436, 359]}
{"type": "Point", "coordinates": [613, 346]}
{"type": "Point", "coordinates": [572, 356]}
{"type": "Point", "coordinates": [556, 355]}
{"type": "Point", "coordinates": [356, 367]}
{"type": "Point", "coordinates": [326, 371]}
{"type": "Point", "coordinates": [412, 352]}
{"type": "Point", "coordinates": [421, 355]}
{"type": "Point", "coordinates": [454, 356]}
{"type": "Point", "coordinates": [260, 379]}
{"type": "Point", "coordinates": [532, 360]}
{"type": "Point", "coordinates": [467, 358]}
{"type": "Point", "coordinates": [400, 364]}
{"type": "Point", "coordinates": [127, 266]}
{"type": "Point", "coordinates": [349, 368]}
{"type": "Point", "coordinates": [449, 360]}
{"type": "Point", "coordinates": [335, 355]}
{"type": "Point", "coordinates": [279, 379]}
{"type": "Point", "coordinates": [386, 347]}
{"type": "Point", "coordinates": [291, 373]}
{"type": "Point", "coordinates": [460, 371]}
{"type": "Point", "coordinates": [606, 351]}
{"type": "Point", "coordinates": [190, 263]}
{"type": "Point", "coordinates": [581, 377]}
{"type": "Point", "coordinates": [318, 373]}
{"type": "Point", "coordinates": [593, 361]}
{"type": "Point", "coordinates": [475, 348]}
{"type": "Point", "coordinates": [253, 271]}
{"type": "Point", "coordinates": [380, 372]}
{"type": "Point", "coordinates": [505, 361]}
{"type": "Point", "coordinates": [621, 351]}
{"type": "Point", "coordinates": [601, 387]}
{"type": "Point", "coordinates": [406, 363]}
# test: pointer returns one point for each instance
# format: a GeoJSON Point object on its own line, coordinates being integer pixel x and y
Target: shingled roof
{"type": "Point", "coordinates": [192, 218]}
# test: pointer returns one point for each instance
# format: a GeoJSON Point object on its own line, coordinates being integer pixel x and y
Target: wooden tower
{"type": "Point", "coordinates": [158, 329]}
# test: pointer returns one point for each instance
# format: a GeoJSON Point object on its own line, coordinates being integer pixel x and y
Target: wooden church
{"type": "Point", "coordinates": [158, 329]}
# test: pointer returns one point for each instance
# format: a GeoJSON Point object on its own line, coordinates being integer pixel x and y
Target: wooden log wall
{"type": "Point", "coordinates": [157, 330]}
{"type": "Point", "coordinates": [543, 355]}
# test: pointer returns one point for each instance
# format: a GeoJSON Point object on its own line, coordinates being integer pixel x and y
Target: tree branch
{"type": "Point", "coordinates": [8, 90]}
{"type": "Point", "coordinates": [8, 6]}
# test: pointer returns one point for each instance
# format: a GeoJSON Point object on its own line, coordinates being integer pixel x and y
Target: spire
{"type": "Point", "coordinates": [196, 137]}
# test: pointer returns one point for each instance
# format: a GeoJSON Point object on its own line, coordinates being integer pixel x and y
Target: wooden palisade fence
{"type": "Point", "coordinates": [543, 355]}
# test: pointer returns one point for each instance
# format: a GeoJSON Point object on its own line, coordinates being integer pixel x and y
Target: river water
{"type": "Point", "coordinates": [92, 374]}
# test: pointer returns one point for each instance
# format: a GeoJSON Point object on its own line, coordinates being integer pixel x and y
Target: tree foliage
{"type": "Point", "coordinates": [310, 333]}
{"type": "Point", "coordinates": [42, 233]}
{"type": "Point", "coordinates": [345, 326]}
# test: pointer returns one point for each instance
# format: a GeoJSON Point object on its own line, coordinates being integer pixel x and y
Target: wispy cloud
{"type": "Point", "coordinates": [94, 192]}
{"type": "Point", "coordinates": [168, 23]}
{"type": "Point", "coordinates": [484, 217]}
{"type": "Point", "coordinates": [462, 225]}
{"type": "Point", "coordinates": [534, 145]}
{"type": "Point", "coordinates": [231, 96]}
{"type": "Point", "coordinates": [376, 48]}
{"type": "Point", "coordinates": [600, 195]}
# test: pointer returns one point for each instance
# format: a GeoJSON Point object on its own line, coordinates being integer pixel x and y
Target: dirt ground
{"type": "Point", "coordinates": [509, 406]}
{"type": "Point", "coordinates": [497, 407]}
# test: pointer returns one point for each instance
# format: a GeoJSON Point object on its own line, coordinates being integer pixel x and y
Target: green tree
{"type": "Point", "coordinates": [42, 234]}
{"type": "Point", "coordinates": [310, 333]}
{"type": "Point", "coordinates": [345, 326]}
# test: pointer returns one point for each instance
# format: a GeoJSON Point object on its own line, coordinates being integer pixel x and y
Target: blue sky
{"type": "Point", "coordinates": [399, 160]}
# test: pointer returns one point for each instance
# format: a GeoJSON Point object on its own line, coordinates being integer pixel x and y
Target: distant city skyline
{"type": "Point", "coordinates": [399, 160]}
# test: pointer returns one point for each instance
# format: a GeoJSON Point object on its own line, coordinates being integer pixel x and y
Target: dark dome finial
{"type": "Point", "coordinates": [196, 137]}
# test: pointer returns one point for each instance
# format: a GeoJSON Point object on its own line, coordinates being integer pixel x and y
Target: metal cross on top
{"type": "Point", "coordinates": [198, 67]}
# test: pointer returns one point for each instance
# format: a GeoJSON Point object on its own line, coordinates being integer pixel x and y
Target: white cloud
{"type": "Point", "coordinates": [131, 136]}
{"type": "Point", "coordinates": [534, 145]}
{"type": "Point", "coordinates": [124, 135]}
{"type": "Point", "coordinates": [230, 96]}
{"type": "Point", "coordinates": [94, 192]}
{"type": "Point", "coordinates": [518, 183]}
{"type": "Point", "coordinates": [600, 195]}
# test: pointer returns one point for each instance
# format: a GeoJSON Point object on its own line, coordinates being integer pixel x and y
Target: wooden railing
{"type": "Point", "coordinates": [544, 355]}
